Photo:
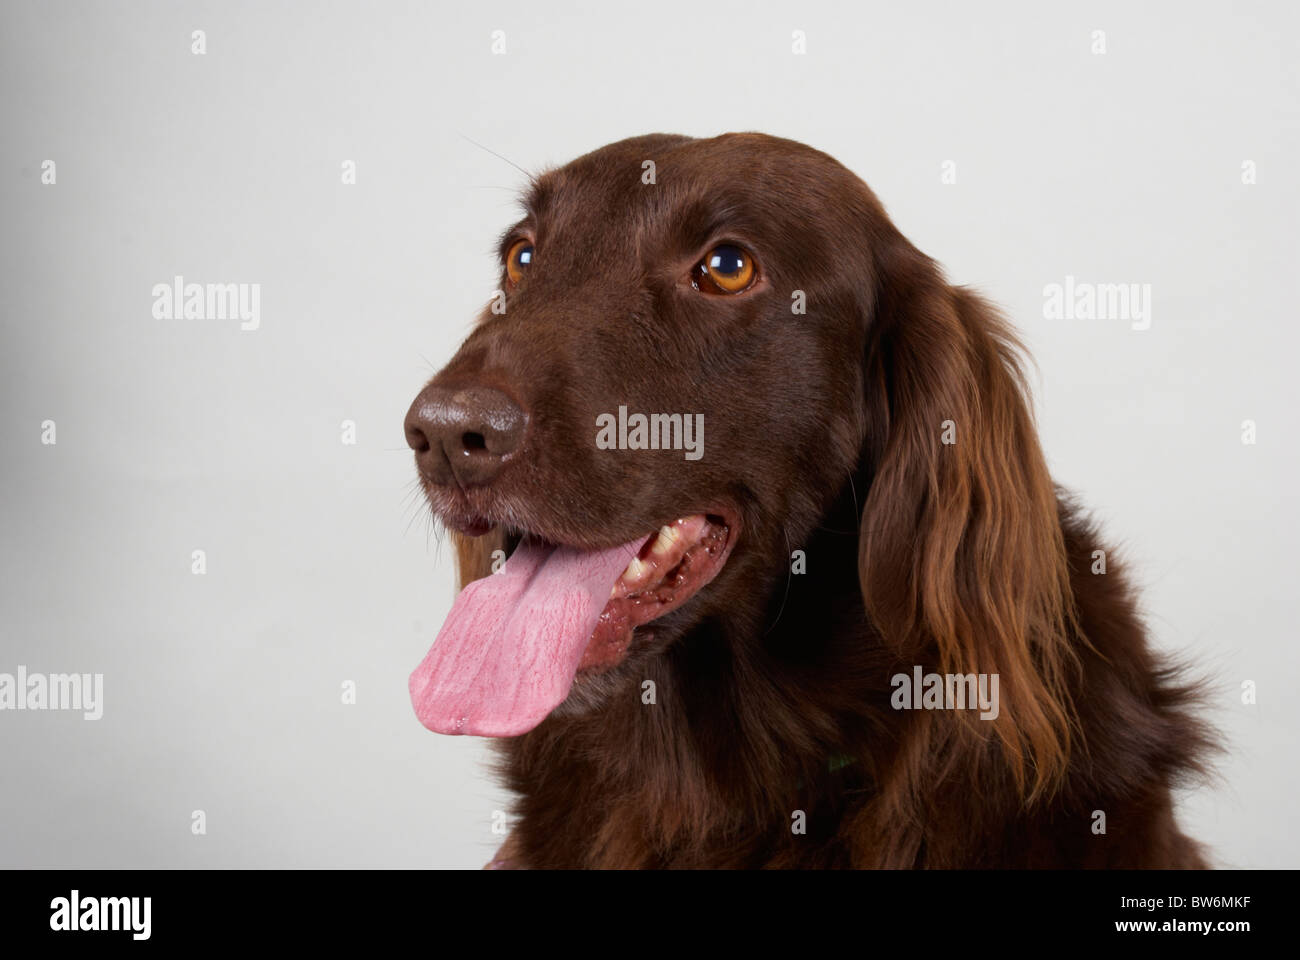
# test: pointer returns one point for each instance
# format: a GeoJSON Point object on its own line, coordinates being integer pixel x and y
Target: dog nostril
{"type": "Point", "coordinates": [417, 440]}
{"type": "Point", "coordinates": [473, 441]}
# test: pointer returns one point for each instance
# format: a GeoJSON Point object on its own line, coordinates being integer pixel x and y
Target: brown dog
{"type": "Point", "coordinates": [789, 583]}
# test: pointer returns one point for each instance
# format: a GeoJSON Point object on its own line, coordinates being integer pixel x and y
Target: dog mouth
{"type": "Point", "coordinates": [671, 567]}
{"type": "Point", "coordinates": [515, 641]}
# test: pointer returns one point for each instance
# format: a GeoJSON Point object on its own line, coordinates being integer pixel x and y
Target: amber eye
{"type": "Point", "coordinates": [518, 259]}
{"type": "Point", "coordinates": [725, 269]}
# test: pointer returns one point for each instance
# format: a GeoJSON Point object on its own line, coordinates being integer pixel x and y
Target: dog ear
{"type": "Point", "coordinates": [961, 556]}
{"type": "Point", "coordinates": [474, 555]}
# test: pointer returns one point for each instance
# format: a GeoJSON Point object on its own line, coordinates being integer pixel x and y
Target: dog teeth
{"type": "Point", "coordinates": [637, 569]}
{"type": "Point", "coordinates": [667, 539]}
{"type": "Point", "coordinates": [666, 547]}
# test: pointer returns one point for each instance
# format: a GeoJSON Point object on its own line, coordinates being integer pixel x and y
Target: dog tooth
{"type": "Point", "coordinates": [636, 570]}
{"type": "Point", "coordinates": [667, 538]}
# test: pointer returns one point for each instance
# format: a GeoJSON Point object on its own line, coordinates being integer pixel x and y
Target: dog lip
{"type": "Point", "coordinates": [471, 527]}
{"type": "Point", "coordinates": [718, 516]}
{"type": "Point", "coordinates": [475, 517]}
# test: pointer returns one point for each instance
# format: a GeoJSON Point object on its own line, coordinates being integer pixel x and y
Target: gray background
{"type": "Point", "coordinates": [223, 691]}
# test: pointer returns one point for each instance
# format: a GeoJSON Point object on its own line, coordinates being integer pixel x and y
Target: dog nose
{"type": "Point", "coordinates": [466, 434]}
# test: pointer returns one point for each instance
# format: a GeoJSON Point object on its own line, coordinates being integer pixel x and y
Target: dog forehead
{"type": "Point", "coordinates": [679, 190]}
{"type": "Point", "coordinates": [660, 167]}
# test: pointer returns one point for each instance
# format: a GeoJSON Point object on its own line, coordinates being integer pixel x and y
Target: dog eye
{"type": "Point", "coordinates": [725, 269]}
{"type": "Point", "coordinates": [518, 259]}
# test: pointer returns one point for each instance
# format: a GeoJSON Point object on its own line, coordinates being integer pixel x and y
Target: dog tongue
{"type": "Point", "coordinates": [508, 653]}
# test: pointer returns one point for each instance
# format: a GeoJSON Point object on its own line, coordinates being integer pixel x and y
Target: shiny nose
{"type": "Point", "coordinates": [465, 435]}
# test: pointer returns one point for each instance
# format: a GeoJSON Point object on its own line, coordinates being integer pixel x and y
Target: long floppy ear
{"type": "Point", "coordinates": [961, 556]}
{"type": "Point", "coordinates": [474, 555]}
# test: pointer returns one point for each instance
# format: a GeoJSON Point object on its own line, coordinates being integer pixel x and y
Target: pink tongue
{"type": "Point", "coordinates": [507, 655]}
